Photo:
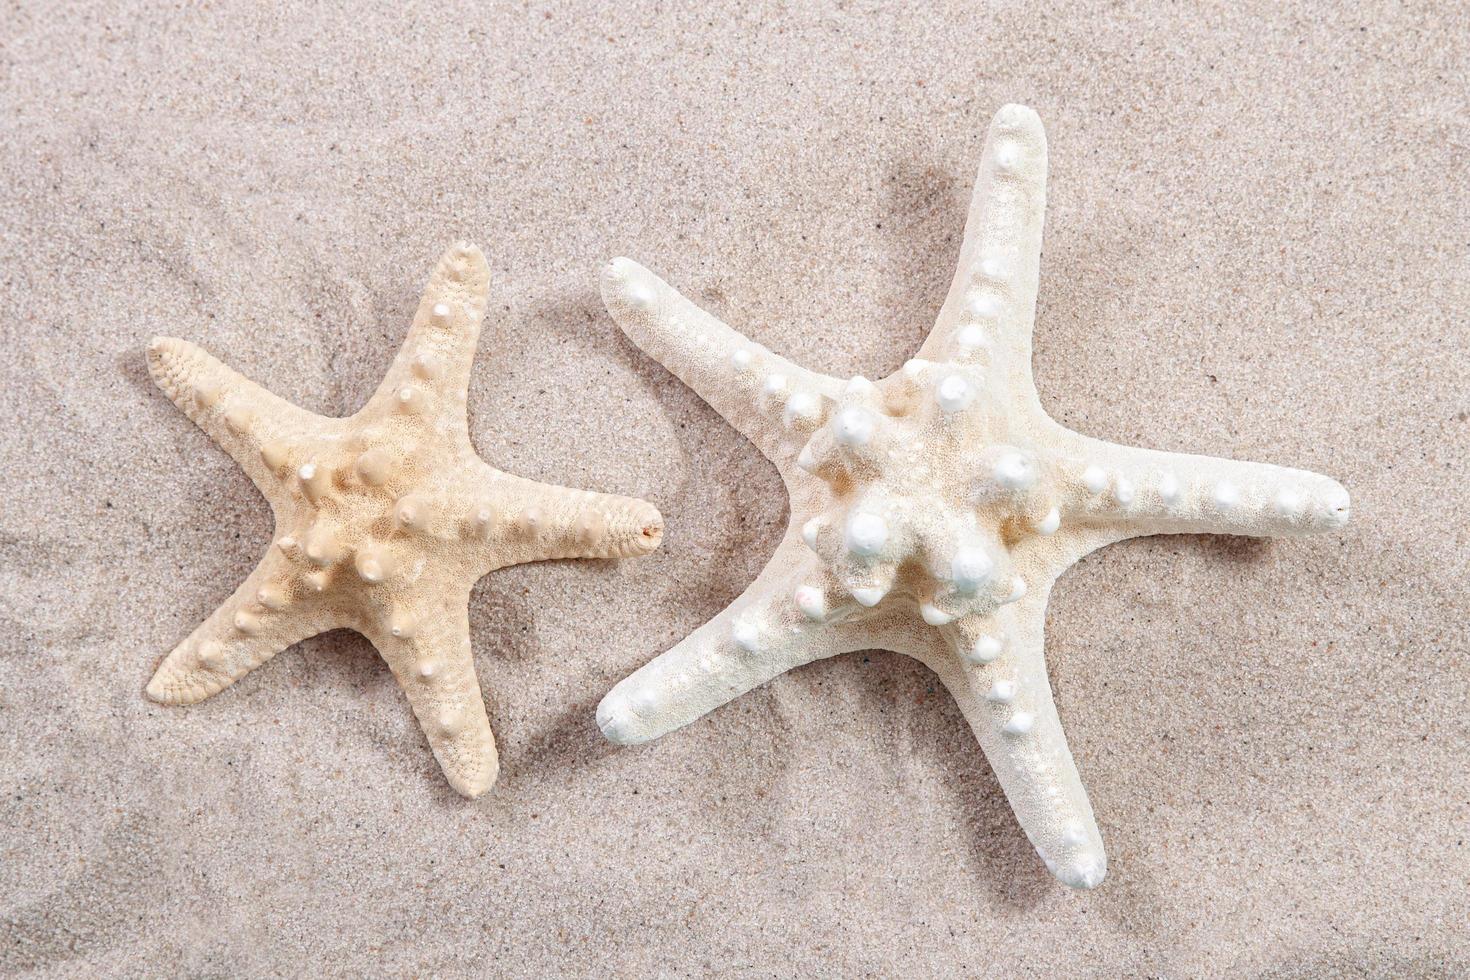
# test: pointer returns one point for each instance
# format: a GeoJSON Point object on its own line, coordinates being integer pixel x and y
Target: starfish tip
{"type": "Point", "coordinates": [1013, 114]}
{"type": "Point", "coordinates": [625, 285]}
{"type": "Point", "coordinates": [162, 691]}
{"type": "Point", "coordinates": [1338, 502]}
{"type": "Point", "coordinates": [159, 348]}
{"type": "Point", "coordinates": [650, 530]}
{"type": "Point", "coordinates": [472, 788]}
{"type": "Point", "coordinates": [157, 691]}
{"type": "Point", "coordinates": [464, 265]}
{"type": "Point", "coordinates": [617, 721]}
{"type": "Point", "coordinates": [467, 251]}
{"type": "Point", "coordinates": [1083, 872]}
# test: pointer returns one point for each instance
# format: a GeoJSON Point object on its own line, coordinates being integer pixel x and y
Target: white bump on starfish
{"type": "Point", "coordinates": [401, 624]}
{"type": "Point", "coordinates": [801, 407]}
{"type": "Point", "coordinates": [1049, 524]}
{"type": "Point", "coordinates": [1014, 472]}
{"type": "Point", "coordinates": [1289, 502]}
{"type": "Point", "coordinates": [934, 616]}
{"type": "Point", "coordinates": [970, 568]}
{"type": "Point", "coordinates": [238, 421]}
{"type": "Point", "coordinates": [1007, 156]}
{"type": "Point", "coordinates": [866, 534]}
{"type": "Point", "coordinates": [810, 530]}
{"type": "Point", "coordinates": [411, 512]}
{"type": "Point", "coordinates": [482, 520]}
{"type": "Point", "coordinates": [640, 297]}
{"type": "Point", "coordinates": [528, 523]}
{"type": "Point", "coordinates": [954, 394]}
{"type": "Point", "coordinates": [935, 471]}
{"type": "Point", "coordinates": [274, 454]}
{"type": "Point", "coordinates": [247, 622]}
{"type": "Point", "coordinates": [589, 527]}
{"type": "Point", "coordinates": [373, 562]}
{"type": "Point", "coordinates": [984, 306]}
{"type": "Point", "coordinates": [853, 427]}
{"type": "Point", "coordinates": [373, 467]}
{"type": "Point", "coordinates": [1020, 723]}
{"type": "Point", "coordinates": [211, 655]}
{"type": "Point", "coordinates": [354, 501]}
{"type": "Point", "coordinates": [984, 650]}
{"type": "Point", "coordinates": [811, 602]}
{"type": "Point", "coordinates": [450, 722]}
{"type": "Point", "coordinates": [1226, 495]}
{"type": "Point", "coordinates": [322, 545]}
{"type": "Point", "coordinates": [316, 481]}
{"type": "Point", "coordinates": [747, 636]}
{"type": "Point", "coordinates": [1001, 692]}
{"type": "Point", "coordinates": [410, 399]}
{"type": "Point", "coordinates": [1169, 489]}
{"type": "Point", "coordinates": [970, 336]}
{"type": "Point", "coordinates": [428, 367]}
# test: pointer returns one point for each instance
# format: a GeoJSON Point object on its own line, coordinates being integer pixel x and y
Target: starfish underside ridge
{"type": "Point", "coordinates": [384, 522]}
{"type": "Point", "coordinates": [931, 511]}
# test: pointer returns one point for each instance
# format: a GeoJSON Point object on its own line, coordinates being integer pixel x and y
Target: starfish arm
{"type": "Point", "coordinates": [431, 374]}
{"type": "Point", "coordinates": [426, 644]}
{"type": "Point", "coordinates": [251, 424]}
{"type": "Point", "coordinates": [270, 611]}
{"type": "Point", "coordinates": [991, 304]}
{"type": "Point", "coordinates": [773, 402]}
{"type": "Point", "coordinates": [1144, 491]}
{"type": "Point", "coordinates": [761, 634]}
{"type": "Point", "coordinates": [997, 673]}
{"type": "Point", "coordinates": [525, 520]}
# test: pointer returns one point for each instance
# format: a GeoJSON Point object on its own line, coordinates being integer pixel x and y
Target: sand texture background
{"type": "Point", "coordinates": [1256, 246]}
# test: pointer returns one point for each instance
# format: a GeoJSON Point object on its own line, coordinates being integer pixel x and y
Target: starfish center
{"type": "Point", "coordinates": [891, 522]}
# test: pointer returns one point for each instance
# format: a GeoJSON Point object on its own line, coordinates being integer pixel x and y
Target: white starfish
{"type": "Point", "coordinates": [384, 522]}
{"type": "Point", "coordinates": [944, 490]}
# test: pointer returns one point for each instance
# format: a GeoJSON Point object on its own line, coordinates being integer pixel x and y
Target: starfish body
{"type": "Point", "coordinates": [384, 522]}
{"type": "Point", "coordinates": [931, 511]}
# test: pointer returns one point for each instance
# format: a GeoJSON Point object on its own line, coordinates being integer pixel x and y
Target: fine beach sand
{"type": "Point", "coordinates": [1256, 246]}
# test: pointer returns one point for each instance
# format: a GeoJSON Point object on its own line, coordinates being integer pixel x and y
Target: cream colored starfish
{"type": "Point", "coordinates": [384, 522]}
{"type": "Point", "coordinates": [932, 511]}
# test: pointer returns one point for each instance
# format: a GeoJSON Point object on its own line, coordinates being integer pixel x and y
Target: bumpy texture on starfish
{"type": "Point", "coordinates": [384, 522]}
{"type": "Point", "coordinates": [944, 490]}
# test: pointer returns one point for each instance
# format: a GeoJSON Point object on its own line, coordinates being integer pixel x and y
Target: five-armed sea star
{"type": "Point", "coordinates": [932, 511]}
{"type": "Point", "coordinates": [384, 522]}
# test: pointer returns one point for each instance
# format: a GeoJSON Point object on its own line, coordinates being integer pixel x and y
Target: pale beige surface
{"type": "Point", "coordinates": [1256, 246]}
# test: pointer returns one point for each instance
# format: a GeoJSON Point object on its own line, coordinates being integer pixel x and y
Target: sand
{"type": "Point", "coordinates": [1256, 247]}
